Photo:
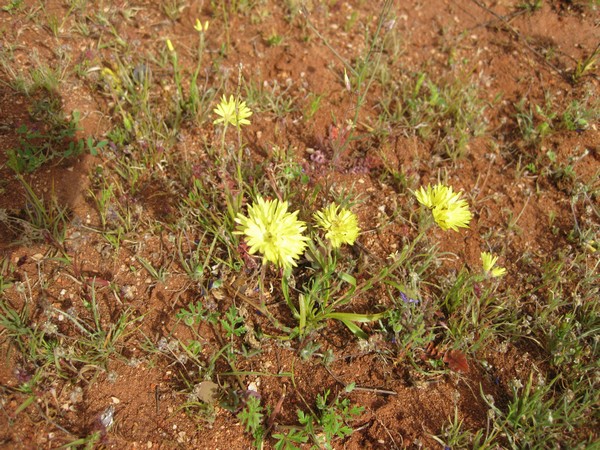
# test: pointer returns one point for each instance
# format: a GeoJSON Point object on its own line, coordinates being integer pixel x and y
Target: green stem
{"type": "Point", "coordinates": [177, 76]}
{"type": "Point", "coordinates": [261, 285]}
{"type": "Point", "coordinates": [302, 303]}
{"type": "Point", "coordinates": [239, 161]}
{"type": "Point", "coordinates": [194, 89]}
{"type": "Point", "coordinates": [223, 159]}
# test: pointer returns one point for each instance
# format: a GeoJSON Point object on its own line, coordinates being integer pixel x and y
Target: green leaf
{"type": "Point", "coordinates": [354, 317]}
{"type": "Point", "coordinates": [251, 416]}
{"type": "Point", "coordinates": [348, 278]}
{"type": "Point", "coordinates": [28, 401]}
{"type": "Point", "coordinates": [355, 329]}
{"type": "Point", "coordinates": [348, 319]}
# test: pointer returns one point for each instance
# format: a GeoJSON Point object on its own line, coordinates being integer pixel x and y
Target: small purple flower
{"type": "Point", "coordinates": [319, 157]}
{"type": "Point", "coordinates": [407, 299]}
{"type": "Point", "coordinates": [22, 375]}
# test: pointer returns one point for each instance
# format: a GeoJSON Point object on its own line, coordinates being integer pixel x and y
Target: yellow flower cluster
{"type": "Point", "coordinates": [201, 28]}
{"type": "Point", "coordinates": [450, 211]}
{"type": "Point", "coordinates": [278, 234]}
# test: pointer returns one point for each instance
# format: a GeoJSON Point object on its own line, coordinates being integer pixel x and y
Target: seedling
{"type": "Point", "coordinates": [585, 66]}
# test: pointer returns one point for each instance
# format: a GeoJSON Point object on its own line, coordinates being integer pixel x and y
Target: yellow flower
{"type": "Point", "coordinates": [233, 111]}
{"type": "Point", "coordinates": [448, 209]}
{"type": "Point", "coordinates": [347, 81]}
{"type": "Point", "coordinates": [199, 27]}
{"type": "Point", "coordinates": [170, 46]}
{"type": "Point", "coordinates": [111, 79]}
{"type": "Point", "coordinates": [341, 226]}
{"type": "Point", "coordinates": [489, 261]}
{"type": "Point", "coordinates": [434, 196]}
{"type": "Point", "coordinates": [453, 216]}
{"type": "Point", "coordinates": [271, 230]}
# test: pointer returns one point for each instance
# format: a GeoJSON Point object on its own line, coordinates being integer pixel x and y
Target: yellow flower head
{"type": "Point", "coordinates": [271, 230]}
{"type": "Point", "coordinates": [341, 226]}
{"type": "Point", "coordinates": [448, 209]}
{"type": "Point", "coordinates": [489, 261]}
{"type": "Point", "coordinates": [170, 46]}
{"type": "Point", "coordinates": [111, 79]}
{"type": "Point", "coordinates": [233, 111]}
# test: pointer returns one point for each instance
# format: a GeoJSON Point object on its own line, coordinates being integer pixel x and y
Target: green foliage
{"type": "Point", "coordinates": [454, 435]}
{"type": "Point", "coordinates": [173, 8]}
{"type": "Point", "coordinates": [37, 148]}
{"type": "Point", "coordinates": [532, 418]}
{"type": "Point", "coordinates": [290, 440]}
{"type": "Point", "coordinates": [273, 98]}
{"type": "Point", "coordinates": [477, 314]}
{"type": "Point", "coordinates": [233, 324]}
{"type": "Point", "coordinates": [578, 115]}
{"type": "Point", "coordinates": [252, 414]}
{"type": "Point", "coordinates": [274, 40]}
{"type": "Point", "coordinates": [43, 220]}
{"type": "Point", "coordinates": [448, 112]}
{"type": "Point", "coordinates": [13, 6]}
{"type": "Point", "coordinates": [326, 293]}
{"type": "Point", "coordinates": [410, 326]}
{"type": "Point", "coordinates": [535, 122]}
{"type": "Point", "coordinates": [531, 5]}
{"type": "Point", "coordinates": [324, 426]}
{"type": "Point", "coordinates": [586, 65]}
{"type": "Point", "coordinates": [52, 354]}
{"type": "Point", "coordinates": [195, 314]}
{"type": "Point", "coordinates": [313, 105]}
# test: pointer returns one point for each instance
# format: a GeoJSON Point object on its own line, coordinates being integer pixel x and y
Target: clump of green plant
{"type": "Point", "coordinates": [251, 417]}
{"type": "Point", "coordinates": [279, 236]}
{"type": "Point", "coordinates": [578, 115]}
{"type": "Point", "coordinates": [473, 306]}
{"type": "Point", "coordinates": [42, 219]}
{"type": "Point", "coordinates": [533, 417]}
{"type": "Point", "coordinates": [586, 65]}
{"type": "Point", "coordinates": [13, 6]}
{"type": "Point", "coordinates": [538, 121]}
{"type": "Point", "coordinates": [193, 104]}
{"type": "Point", "coordinates": [173, 8]}
{"type": "Point", "coordinates": [535, 122]}
{"type": "Point", "coordinates": [38, 147]}
{"type": "Point", "coordinates": [323, 426]}
{"type": "Point", "coordinates": [531, 6]}
{"type": "Point", "coordinates": [48, 352]}
{"type": "Point", "coordinates": [449, 112]}
{"type": "Point", "coordinates": [270, 97]}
